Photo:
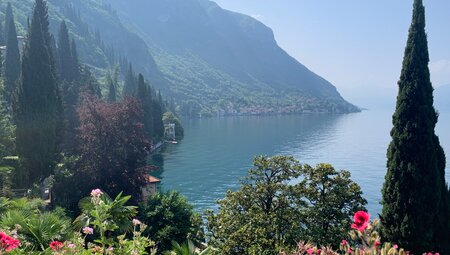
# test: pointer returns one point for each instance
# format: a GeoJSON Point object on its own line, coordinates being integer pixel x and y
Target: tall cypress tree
{"type": "Point", "coordinates": [64, 54]}
{"type": "Point", "coordinates": [415, 193]}
{"type": "Point", "coordinates": [158, 125]}
{"type": "Point", "coordinates": [144, 97]}
{"type": "Point", "coordinates": [112, 96]}
{"type": "Point", "coordinates": [2, 34]}
{"type": "Point", "coordinates": [70, 77]}
{"type": "Point", "coordinates": [129, 88]}
{"type": "Point", "coordinates": [75, 65]}
{"type": "Point", "coordinates": [38, 103]}
{"type": "Point", "coordinates": [8, 17]}
{"type": "Point", "coordinates": [12, 62]}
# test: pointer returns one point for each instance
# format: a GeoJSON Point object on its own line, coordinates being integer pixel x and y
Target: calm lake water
{"type": "Point", "coordinates": [217, 152]}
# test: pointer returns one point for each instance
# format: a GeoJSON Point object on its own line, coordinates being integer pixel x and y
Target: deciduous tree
{"type": "Point", "coordinates": [112, 152]}
{"type": "Point", "coordinates": [281, 202]}
{"type": "Point", "coordinates": [331, 197]}
{"type": "Point", "coordinates": [170, 217]}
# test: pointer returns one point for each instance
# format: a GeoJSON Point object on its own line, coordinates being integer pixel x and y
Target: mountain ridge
{"type": "Point", "coordinates": [211, 60]}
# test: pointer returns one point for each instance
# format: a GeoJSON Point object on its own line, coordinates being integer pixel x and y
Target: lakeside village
{"type": "Point", "coordinates": [299, 106]}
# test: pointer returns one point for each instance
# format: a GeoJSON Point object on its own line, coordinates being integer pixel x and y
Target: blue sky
{"type": "Point", "coordinates": [355, 44]}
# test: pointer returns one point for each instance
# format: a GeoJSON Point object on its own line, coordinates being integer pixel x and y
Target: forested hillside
{"type": "Point", "coordinates": [208, 59]}
{"type": "Point", "coordinates": [227, 58]}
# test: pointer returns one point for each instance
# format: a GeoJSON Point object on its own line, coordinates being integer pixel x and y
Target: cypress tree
{"type": "Point", "coordinates": [129, 88]}
{"type": "Point", "coordinates": [38, 103]}
{"type": "Point", "coordinates": [75, 65]}
{"type": "Point", "coordinates": [112, 97]}
{"type": "Point", "coordinates": [415, 202]}
{"type": "Point", "coordinates": [144, 97]}
{"type": "Point", "coordinates": [64, 54]}
{"type": "Point", "coordinates": [8, 17]}
{"type": "Point", "coordinates": [70, 77]}
{"type": "Point", "coordinates": [2, 34]}
{"type": "Point", "coordinates": [158, 125]}
{"type": "Point", "coordinates": [141, 92]}
{"type": "Point", "coordinates": [12, 62]}
{"type": "Point", "coordinates": [53, 52]}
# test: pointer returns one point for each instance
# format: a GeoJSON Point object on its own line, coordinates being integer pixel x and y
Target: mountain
{"type": "Point", "coordinates": [209, 59]}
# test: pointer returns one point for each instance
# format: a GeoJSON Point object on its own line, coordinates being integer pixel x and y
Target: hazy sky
{"type": "Point", "coordinates": [355, 44]}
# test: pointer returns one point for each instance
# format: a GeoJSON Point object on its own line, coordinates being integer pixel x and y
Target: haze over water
{"type": "Point", "coordinates": [217, 152]}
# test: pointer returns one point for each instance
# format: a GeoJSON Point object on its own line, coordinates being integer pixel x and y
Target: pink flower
{"type": "Point", "coordinates": [360, 221]}
{"type": "Point", "coordinates": [56, 245]}
{"type": "Point", "coordinates": [310, 251]}
{"type": "Point", "coordinates": [344, 242]}
{"type": "Point", "coordinates": [319, 251]}
{"type": "Point", "coordinates": [71, 246]}
{"type": "Point", "coordinates": [88, 231]}
{"type": "Point", "coordinates": [8, 243]}
{"type": "Point", "coordinates": [395, 246]}
{"type": "Point", "coordinates": [96, 193]}
{"type": "Point", "coordinates": [136, 222]}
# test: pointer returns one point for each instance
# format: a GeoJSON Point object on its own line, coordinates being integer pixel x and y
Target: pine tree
{"type": "Point", "coordinates": [64, 54]}
{"type": "Point", "coordinates": [415, 202]}
{"type": "Point", "coordinates": [38, 104]}
{"type": "Point", "coordinates": [12, 62]}
{"type": "Point", "coordinates": [129, 87]}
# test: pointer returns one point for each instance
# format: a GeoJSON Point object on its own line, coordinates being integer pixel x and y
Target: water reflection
{"type": "Point", "coordinates": [216, 153]}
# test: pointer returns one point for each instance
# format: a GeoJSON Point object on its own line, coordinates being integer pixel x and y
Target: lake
{"type": "Point", "coordinates": [217, 152]}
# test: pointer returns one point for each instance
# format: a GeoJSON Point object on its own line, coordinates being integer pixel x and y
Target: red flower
{"type": "Point", "coordinates": [56, 245]}
{"type": "Point", "coordinates": [360, 221]}
{"type": "Point", "coordinates": [377, 243]}
{"type": "Point", "coordinates": [8, 243]}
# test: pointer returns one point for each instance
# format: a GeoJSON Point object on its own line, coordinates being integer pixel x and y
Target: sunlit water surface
{"type": "Point", "coordinates": [216, 153]}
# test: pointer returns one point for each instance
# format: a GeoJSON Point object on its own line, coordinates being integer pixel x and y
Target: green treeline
{"type": "Point", "coordinates": [60, 128]}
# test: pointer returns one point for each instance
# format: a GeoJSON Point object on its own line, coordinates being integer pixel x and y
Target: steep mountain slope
{"type": "Point", "coordinates": [232, 55]}
{"type": "Point", "coordinates": [208, 59]}
{"type": "Point", "coordinates": [102, 40]}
